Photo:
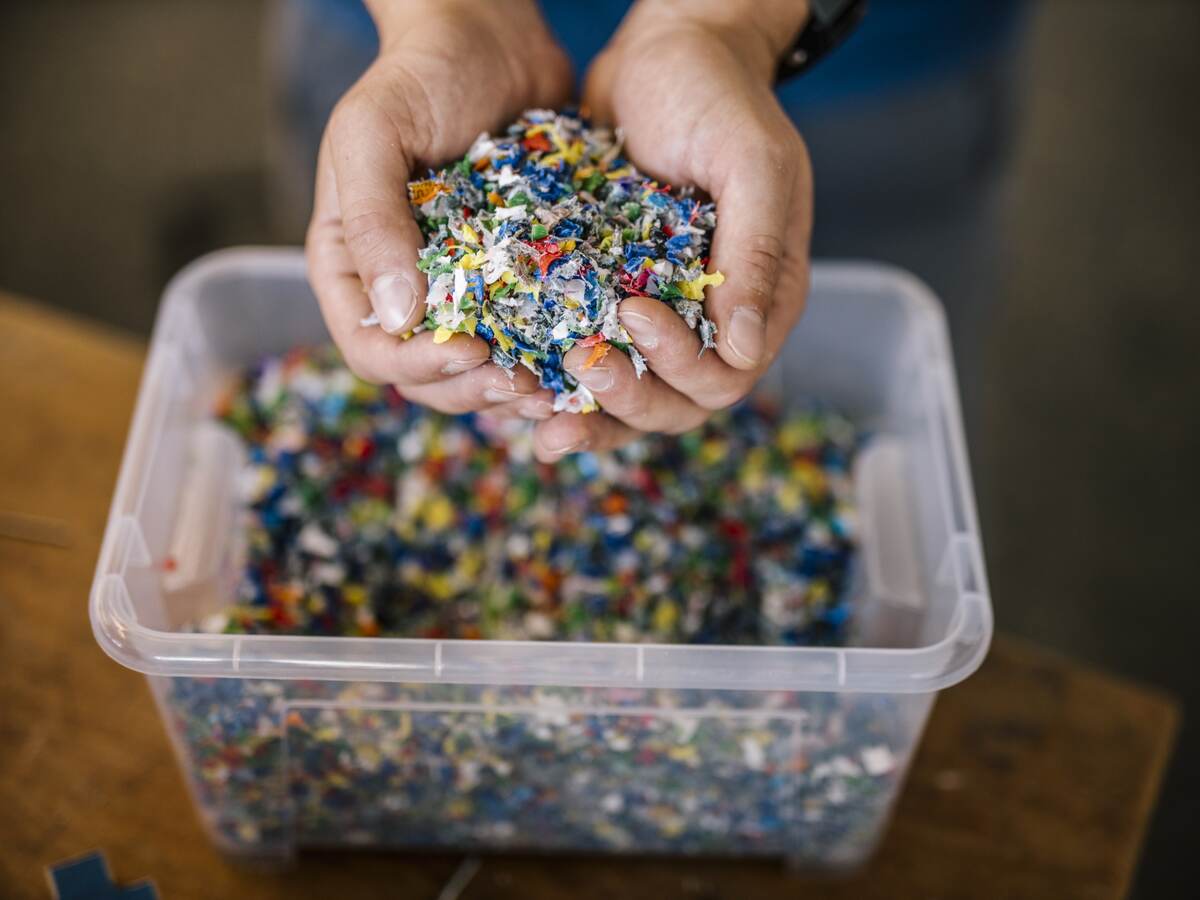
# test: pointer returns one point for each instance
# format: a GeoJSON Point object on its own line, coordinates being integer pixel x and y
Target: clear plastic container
{"type": "Point", "coordinates": [292, 742]}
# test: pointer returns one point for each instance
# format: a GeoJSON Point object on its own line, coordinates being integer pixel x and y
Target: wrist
{"type": "Point", "coordinates": [393, 18]}
{"type": "Point", "coordinates": [758, 32]}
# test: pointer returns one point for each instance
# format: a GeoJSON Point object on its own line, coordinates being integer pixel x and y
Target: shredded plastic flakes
{"type": "Point", "coordinates": [279, 765]}
{"type": "Point", "coordinates": [367, 515]}
{"type": "Point", "coordinates": [536, 236]}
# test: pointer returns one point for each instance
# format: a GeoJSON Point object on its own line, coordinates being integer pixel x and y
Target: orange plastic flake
{"type": "Point", "coordinates": [421, 192]}
{"type": "Point", "coordinates": [598, 353]}
{"type": "Point", "coordinates": [614, 504]}
{"type": "Point", "coordinates": [591, 340]}
{"type": "Point", "coordinates": [495, 199]}
{"type": "Point", "coordinates": [536, 143]}
{"type": "Point", "coordinates": [546, 258]}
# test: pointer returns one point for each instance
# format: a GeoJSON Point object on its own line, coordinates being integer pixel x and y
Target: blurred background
{"type": "Point", "coordinates": [138, 134]}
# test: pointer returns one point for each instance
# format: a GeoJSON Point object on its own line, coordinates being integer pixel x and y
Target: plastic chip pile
{"type": "Point", "coordinates": [536, 236]}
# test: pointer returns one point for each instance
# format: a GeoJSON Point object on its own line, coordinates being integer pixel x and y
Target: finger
{"type": "Point", "coordinates": [597, 87]}
{"type": "Point", "coordinates": [481, 388]}
{"type": "Point", "coordinates": [672, 352]}
{"type": "Point", "coordinates": [646, 403]}
{"type": "Point", "coordinates": [754, 205]}
{"type": "Point", "coordinates": [537, 407]}
{"type": "Point", "coordinates": [371, 165]}
{"type": "Point", "coordinates": [568, 433]}
{"type": "Point", "coordinates": [371, 353]}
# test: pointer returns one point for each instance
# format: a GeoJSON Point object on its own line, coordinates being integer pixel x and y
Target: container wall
{"type": "Point", "coordinates": [276, 766]}
{"type": "Point", "coordinates": [659, 765]}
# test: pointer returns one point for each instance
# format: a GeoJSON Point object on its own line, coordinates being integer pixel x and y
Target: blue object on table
{"type": "Point", "coordinates": [88, 878]}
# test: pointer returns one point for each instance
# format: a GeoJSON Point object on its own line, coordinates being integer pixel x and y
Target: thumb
{"type": "Point", "coordinates": [372, 165]}
{"type": "Point", "coordinates": [754, 205]}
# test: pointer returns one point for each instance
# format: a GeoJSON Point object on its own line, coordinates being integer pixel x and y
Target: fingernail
{"type": "Point", "coordinates": [458, 366]}
{"type": "Point", "coordinates": [537, 409]}
{"type": "Point", "coordinates": [641, 328]}
{"type": "Point", "coordinates": [496, 395]}
{"type": "Point", "coordinates": [747, 334]}
{"type": "Point", "coordinates": [597, 378]}
{"type": "Point", "coordinates": [394, 301]}
{"type": "Point", "coordinates": [576, 447]}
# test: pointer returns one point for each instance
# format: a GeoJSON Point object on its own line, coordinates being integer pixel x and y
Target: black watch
{"type": "Point", "coordinates": [829, 23]}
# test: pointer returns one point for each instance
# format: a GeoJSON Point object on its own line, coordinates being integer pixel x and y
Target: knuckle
{"type": "Point", "coordinates": [352, 114]}
{"type": "Point", "coordinates": [684, 423]}
{"type": "Point", "coordinates": [777, 156]}
{"type": "Point", "coordinates": [360, 366]}
{"type": "Point", "coordinates": [627, 399]}
{"type": "Point", "coordinates": [442, 401]}
{"type": "Point", "coordinates": [675, 358]}
{"type": "Point", "coordinates": [725, 395]}
{"type": "Point", "coordinates": [761, 257]}
{"type": "Point", "coordinates": [367, 231]}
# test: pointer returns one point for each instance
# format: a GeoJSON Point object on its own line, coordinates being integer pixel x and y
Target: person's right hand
{"type": "Point", "coordinates": [447, 70]}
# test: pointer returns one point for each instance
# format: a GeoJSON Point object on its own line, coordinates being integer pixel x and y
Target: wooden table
{"type": "Point", "coordinates": [1036, 777]}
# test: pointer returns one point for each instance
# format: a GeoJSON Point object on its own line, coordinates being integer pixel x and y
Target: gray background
{"type": "Point", "coordinates": [133, 140]}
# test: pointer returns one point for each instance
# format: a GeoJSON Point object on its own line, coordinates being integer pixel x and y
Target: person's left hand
{"type": "Point", "coordinates": [694, 98]}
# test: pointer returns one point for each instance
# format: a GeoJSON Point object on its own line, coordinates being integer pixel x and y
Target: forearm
{"type": "Point", "coordinates": [759, 31]}
{"type": "Point", "coordinates": [393, 18]}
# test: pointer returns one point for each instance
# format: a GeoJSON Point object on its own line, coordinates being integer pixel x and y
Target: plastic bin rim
{"type": "Point", "coordinates": [150, 651]}
{"type": "Point", "coordinates": [914, 670]}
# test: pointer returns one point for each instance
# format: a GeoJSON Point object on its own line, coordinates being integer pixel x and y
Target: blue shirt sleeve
{"type": "Point", "coordinates": [899, 43]}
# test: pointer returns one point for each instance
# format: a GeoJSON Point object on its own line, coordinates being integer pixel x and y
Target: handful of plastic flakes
{"type": "Point", "coordinates": [535, 237]}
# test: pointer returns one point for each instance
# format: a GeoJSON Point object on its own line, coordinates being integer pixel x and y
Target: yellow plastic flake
{"type": "Point", "coordinates": [795, 434]}
{"type": "Point", "coordinates": [472, 260]}
{"type": "Point", "coordinates": [617, 173]}
{"type": "Point", "coordinates": [421, 192]}
{"type": "Point", "coordinates": [684, 753]}
{"type": "Point", "coordinates": [665, 616]}
{"type": "Point", "coordinates": [354, 594]}
{"type": "Point", "coordinates": [694, 289]}
{"type": "Point", "coordinates": [442, 334]}
{"type": "Point", "coordinates": [469, 234]}
{"type": "Point", "coordinates": [438, 586]}
{"type": "Point", "coordinates": [574, 153]}
{"type": "Point", "coordinates": [789, 498]}
{"type": "Point", "coordinates": [439, 513]}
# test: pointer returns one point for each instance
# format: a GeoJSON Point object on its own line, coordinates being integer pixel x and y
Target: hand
{"type": "Point", "coordinates": [690, 84]}
{"type": "Point", "coordinates": [447, 70]}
